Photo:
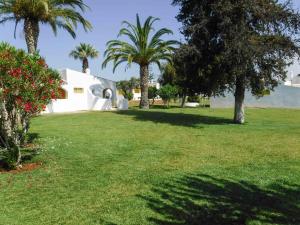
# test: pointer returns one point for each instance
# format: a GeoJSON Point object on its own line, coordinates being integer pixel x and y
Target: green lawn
{"type": "Point", "coordinates": [176, 166]}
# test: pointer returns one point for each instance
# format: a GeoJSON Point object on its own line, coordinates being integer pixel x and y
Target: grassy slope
{"type": "Point", "coordinates": [172, 166]}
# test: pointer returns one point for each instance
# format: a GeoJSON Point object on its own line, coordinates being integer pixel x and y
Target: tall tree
{"type": "Point", "coordinates": [245, 44]}
{"type": "Point", "coordinates": [56, 13]}
{"type": "Point", "coordinates": [143, 50]}
{"type": "Point", "coordinates": [83, 52]}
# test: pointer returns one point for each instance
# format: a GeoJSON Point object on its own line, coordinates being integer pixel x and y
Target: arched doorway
{"type": "Point", "coordinates": [107, 93]}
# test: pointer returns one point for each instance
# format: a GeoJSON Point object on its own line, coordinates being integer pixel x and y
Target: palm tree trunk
{"type": "Point", "coordinates": [85, 65]}
{"type": "Point", "coordinates": [144, 75]}
{"type": "Point", "coordinates": [31, 30]}
{"type": "Point", "coordinates": [239, 112]}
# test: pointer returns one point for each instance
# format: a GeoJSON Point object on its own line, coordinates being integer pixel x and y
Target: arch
{"type": "Point", "coordinates": [107, 93]}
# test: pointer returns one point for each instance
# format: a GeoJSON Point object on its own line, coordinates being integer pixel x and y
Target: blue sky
{"type": "Point", "coordinates": [106, 17]}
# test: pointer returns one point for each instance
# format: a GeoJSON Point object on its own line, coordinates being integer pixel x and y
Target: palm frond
{"type": "Point", "coordinates": [63, 14]}
{"type": "Point", "coordinates": [84, 51]}
{"type": "Point", "coordinates": [141, 49]}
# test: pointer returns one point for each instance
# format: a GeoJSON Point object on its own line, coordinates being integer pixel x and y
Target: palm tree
{"type": "Point", "coordinates": [63, 14]}
{"type": "Point", "coordinates": [83, 52]}
{"type": "Point", "coordinates": [143, 50]}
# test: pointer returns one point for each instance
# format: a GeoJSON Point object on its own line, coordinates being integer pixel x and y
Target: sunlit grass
{"type": "Point", "coordinates": [175, 166]}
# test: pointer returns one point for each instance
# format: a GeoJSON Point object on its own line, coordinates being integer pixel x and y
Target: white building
{"type": "Point", "coordinates": [82, 92]}
{"type": "Point", "coordinates": [286, 95]}
{"type": "Point", "coordinates": [294, 81]}
{"type": "Point", "coordinates": [137, 92]}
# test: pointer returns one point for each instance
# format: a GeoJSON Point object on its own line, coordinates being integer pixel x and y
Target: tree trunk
{"type": "Point", "coordinates": [31, 30]}
{"type": "Point", "coordinates": [183, 99]}
{"type": "Point", "coordinates": [144, 75]}
{"type": "Point", "coordinates": [25, 121]}
{"type": "Point", "coordinates": [239, 112]}
{"type": "Point", "coordinates": [9, 136]}
{"type": "Point", "coordinates": [85, 65]}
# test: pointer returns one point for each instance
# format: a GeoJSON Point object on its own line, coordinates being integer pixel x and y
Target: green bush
{"type": "Point", "coordinates": [152, 93]}
{"type": "Point", "coordinates": [167, 93]}
{"type": "Point", "coordinates": [128, 96]}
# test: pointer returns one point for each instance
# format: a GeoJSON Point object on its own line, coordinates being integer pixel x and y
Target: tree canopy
{"type": "Point", "coordinates": [83, 52]}
{"type": "Point", "coordinates": [245, 44]}
{"type": "Point", "coordinates": [58, 14]}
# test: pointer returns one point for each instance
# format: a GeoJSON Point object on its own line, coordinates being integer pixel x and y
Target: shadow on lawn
{"type": "Point", "coordinates": [29, 151]}
{"type": "Point", "coordinates": [178, 119]}
{"type": "Point", "coordinates": [201, 199]}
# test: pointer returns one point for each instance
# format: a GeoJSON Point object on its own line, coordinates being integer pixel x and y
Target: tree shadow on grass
{"type": "Point", "coordinates": [31, 149]}
{"type": "Point", "coordinates": [202, 199]}
{"type": "Point", "coordinates": [32, 137]}
{"type": "Point", "coordinates": [28, 151]}
{"type": "Point", "coordinates": [177, 119]}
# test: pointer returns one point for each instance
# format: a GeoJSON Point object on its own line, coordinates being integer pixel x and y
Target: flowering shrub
{"type": "Point", "coordinates": [27, 85]}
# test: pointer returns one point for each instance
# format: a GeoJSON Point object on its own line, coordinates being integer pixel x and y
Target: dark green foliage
{"type": "Point", "coordinates": [168, 74]}
{"type": "Point", "coordinates": [167, 93]}
{"type": "Point", "coordinates": [240, 45]}
{"type": "Point", "coordinates": [128, 96]}
{"type": "Point", "coordinates": [194, 98]}
{"type": "Point", "coordinates": [152, 93]}
{"type": "Point", "coordinates": [188, 76]}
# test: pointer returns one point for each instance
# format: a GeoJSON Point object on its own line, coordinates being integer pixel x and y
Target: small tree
{"type": "Point", "coordinates": [27, 85]}
{"type": "Point", "coordinates": [126, 87]}
{"type": "Point", "coordinates": [152, 94]}
{"type": "Point", "coordinates": [167, 93]}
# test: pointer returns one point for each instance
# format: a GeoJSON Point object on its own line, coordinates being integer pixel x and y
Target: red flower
{"type": "Point", "coordinates": [15, 72]}
{"type": "Point", "coordinates": [28, 107]}
{"type": "Point", "coordinates": [53, 95]}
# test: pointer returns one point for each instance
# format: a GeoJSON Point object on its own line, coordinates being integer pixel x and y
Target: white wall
{"type": "Point", "coordinates": [86, 100]}
{"type": "Point", "coordinates": [282, 97]}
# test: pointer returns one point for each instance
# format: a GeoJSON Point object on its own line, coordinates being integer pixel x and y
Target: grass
{"type": "Point", "coordinates": [175, 166]}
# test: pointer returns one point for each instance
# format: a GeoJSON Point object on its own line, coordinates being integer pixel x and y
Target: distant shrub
{"type": "Point", "coordinates": [128, 96]}
{"type": "Point", "coordinates": [167, 93]}
{"type": "Point", "coordinates": [152, 93]}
